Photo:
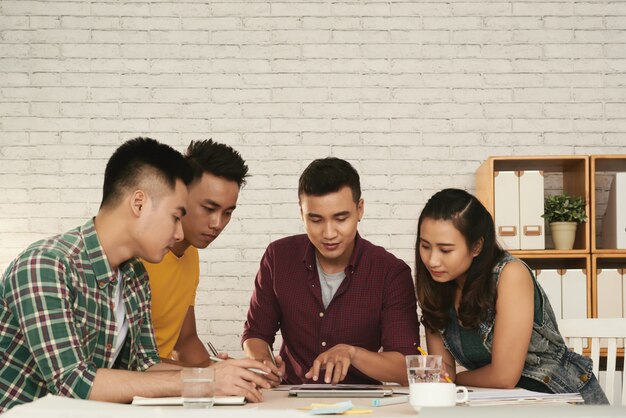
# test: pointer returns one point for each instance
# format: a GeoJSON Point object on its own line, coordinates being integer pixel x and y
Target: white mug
{"type": "Point", "coordinates": [436, 394]}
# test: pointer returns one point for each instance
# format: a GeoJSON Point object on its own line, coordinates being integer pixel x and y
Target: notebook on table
{"type": "Point", "coordinates": [339, 391]}
{"type": "Point", "coordinates": [177, 400]}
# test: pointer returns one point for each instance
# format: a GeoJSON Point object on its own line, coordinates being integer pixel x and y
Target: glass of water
{"type": "Point", "coordinates": [198, 387]}
{"type": "Point", "coordinates": [423, 369]}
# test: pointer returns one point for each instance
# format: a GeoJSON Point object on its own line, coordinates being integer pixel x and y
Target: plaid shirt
{"type": "Point", "coordinates": [374, 307]}
{"type": "Point", "coordinates": [57, 324]}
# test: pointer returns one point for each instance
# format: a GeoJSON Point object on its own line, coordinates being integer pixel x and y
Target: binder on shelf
{"type": "Point", "coordinates": [609, 293]}
{"type": "Point", "coordinates": [609, 298]}
{"type": "Point", "coordinates": [614, 219]}
{"type": "Point", "coordinates": [531, 224]}
{"type": "Point", "coordinates": [550, 282]}
{"type": "Point", "coordinates": [506, 205]}
{"type": "Point", "coordinates": [574, 293]}
{"type": "Point", "coordinates": [623, 273]}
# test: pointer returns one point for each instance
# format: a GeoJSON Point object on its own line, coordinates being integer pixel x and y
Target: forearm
{"type": "Point", "coordinates": [257, 349]}
{"type": "Point", "coordinates": [488, 376]}
{"type": "Point", "coordinates": [121, 385]}
{"type": "Point", "coordinates": [386, 366]}
{"type": "Point", "coordinates": [192, 352]}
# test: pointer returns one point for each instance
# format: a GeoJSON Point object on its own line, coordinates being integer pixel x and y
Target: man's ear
{"type": "Point", "coordinates": [137, 202]}
{"type": "Point", "coordinates": [360, 208]}
{"type": "Point", "coordinates": [478, 247]}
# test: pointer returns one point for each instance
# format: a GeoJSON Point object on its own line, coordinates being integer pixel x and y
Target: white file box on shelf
{"type": "Point", "coordinates": [531, 224]}
{"type": "Point", "coordinates": [574, 293]}
{"type": "Point", "coordinates": [614, 219]}
{"type": "Point", "coordinates": [506, 203]}
{"type": "Point", "coordinates": [609, 293]}
{"type": "Point", "coordinates": [623, 273]}
{"type": "Point", "coordinates": [550, 281]}
{"type": "Point", "coordinates": [609, 296]}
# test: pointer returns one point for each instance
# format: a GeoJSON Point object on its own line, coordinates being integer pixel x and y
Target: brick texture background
{"type": "Point", "coordinates": [415, 94]}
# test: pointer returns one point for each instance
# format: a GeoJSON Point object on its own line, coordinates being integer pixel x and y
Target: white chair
{"type": "Point", "coordinates": [576, 333]}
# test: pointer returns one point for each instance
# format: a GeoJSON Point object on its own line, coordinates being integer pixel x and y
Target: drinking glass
{"type": "Point", "coordinates": [423, 369]}
{"type": "Point", "coordinates": [198, 387]}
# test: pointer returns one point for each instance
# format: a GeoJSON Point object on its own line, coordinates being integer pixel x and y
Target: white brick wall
{"type": "Point", "coordinates": [415, 94]}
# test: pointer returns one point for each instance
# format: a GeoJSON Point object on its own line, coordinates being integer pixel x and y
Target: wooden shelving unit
{"type": "Point", "coordinates": [575, 181]}
{"type": "Point", "coordinates": [582, 175]}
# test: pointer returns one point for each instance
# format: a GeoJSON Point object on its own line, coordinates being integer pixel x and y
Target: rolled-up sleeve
{"type": "Point", "coordinates": [147, 354]}
{"type": "Point", "coordinates": [263, 320]}
{"type": "Point", "coordinates": [399, 323]}
{"type": "Point", "coordinates": [40, 301]}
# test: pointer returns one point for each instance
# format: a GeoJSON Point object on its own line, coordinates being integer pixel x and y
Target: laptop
{"type": "Point", "coordinates": [339, 391]}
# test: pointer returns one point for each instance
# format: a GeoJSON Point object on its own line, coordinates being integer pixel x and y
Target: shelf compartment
{"type": "Point", "coordinates": [602, 169]}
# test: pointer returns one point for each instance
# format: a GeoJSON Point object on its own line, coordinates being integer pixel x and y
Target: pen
{"type": "Point", "coordinates": [214, 357]}
{"type": "Point", "coordinates": [273, 360]}
{"type": "Point", "coordinates": [390, 401]}
{"type": "Point", "coordinates": [272, 355]}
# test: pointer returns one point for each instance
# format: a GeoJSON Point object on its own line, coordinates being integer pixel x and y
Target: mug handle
{"type": "Point", "coordinates": [464, 397]}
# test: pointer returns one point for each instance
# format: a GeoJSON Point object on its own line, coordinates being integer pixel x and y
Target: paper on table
{"type": "Point", "coordinates": [177, 400]}
{"type": "Point", "coordinates": [519, 396]}
{"type": "Point", "coordinates": [323, 409]}
{"type": "Point", "coordinates": [339, 408]}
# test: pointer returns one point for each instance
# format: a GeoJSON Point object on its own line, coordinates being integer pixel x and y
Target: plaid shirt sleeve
{"type": "Point", "coordinates": [138, 292]}
{"type": "Point", "coordinates": [147, 355]}
{"type": "Point", "coordinates": [41, 302]}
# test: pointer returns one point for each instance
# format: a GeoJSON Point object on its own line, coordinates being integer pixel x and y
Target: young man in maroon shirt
{"type": "Point", "coordinates": [336, 298]}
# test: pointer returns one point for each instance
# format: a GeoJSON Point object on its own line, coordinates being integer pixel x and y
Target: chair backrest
{"type": "Point", "coordinates": [577, 332]}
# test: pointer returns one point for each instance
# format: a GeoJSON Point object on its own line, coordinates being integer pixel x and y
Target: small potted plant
{"type": "Point", "coordinates": [564, 212]}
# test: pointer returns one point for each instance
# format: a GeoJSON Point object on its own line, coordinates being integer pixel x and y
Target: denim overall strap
{"type": "Point", "coordinates": [451, 337]}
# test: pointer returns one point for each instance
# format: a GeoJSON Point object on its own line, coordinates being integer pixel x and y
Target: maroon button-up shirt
{"type": "Point", "coordinates": [374, 307]}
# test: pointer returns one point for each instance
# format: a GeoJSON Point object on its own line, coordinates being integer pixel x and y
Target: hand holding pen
{"type": "Point", "coordinates": [215, 356]}
{"type": "Point", "coordinates": [279, 366]}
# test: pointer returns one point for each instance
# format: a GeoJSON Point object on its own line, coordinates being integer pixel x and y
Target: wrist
{"type": "Point", "coordinates": [353, 351]}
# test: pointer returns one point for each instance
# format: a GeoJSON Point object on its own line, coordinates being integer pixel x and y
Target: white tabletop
{"type": "Point", "coordinates": [278, 404]}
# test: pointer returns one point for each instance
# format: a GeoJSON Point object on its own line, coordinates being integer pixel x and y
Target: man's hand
{"type": "Point", "coordinates": [278, 371]}
{"type": "Point", "coordinates": [336, 361]}
{"type": "Point", "coordinates": [234, 378]}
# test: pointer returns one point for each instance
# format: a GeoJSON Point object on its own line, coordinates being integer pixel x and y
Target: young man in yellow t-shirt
{"type": "Point", "coordinates": [219, 174]}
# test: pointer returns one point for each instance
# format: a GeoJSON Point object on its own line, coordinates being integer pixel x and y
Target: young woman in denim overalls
{"type": "Point", "coordinates": [484, 309]}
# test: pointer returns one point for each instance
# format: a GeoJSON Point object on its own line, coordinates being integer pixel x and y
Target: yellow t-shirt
{"type": "Point", "coordinates": [173, 282]}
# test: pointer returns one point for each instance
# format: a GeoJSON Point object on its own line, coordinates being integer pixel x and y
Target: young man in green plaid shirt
{"type": "Point", "coordinates": [75, 309]}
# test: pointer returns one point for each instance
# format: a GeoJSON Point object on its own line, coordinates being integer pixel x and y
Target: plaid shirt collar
{"type": "Point", "coordinates": [98, 258]}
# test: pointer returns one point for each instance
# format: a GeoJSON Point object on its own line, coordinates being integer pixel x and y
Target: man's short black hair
{"type": "Point", "coordinates": [328, 175]}
{"type": "Point", "coordinates": [139, 160]}
{"type": "Point", "coordinates": [218, 159]}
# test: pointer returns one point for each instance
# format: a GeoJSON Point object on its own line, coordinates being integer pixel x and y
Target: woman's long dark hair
{"type": "Point", "coordinates": [474, 222]}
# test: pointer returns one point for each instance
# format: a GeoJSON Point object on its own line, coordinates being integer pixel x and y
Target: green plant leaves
{"type": "Point", "coordinates": [564, 208]}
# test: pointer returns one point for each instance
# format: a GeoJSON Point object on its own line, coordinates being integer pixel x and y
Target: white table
{"type": "Point", "coordinates": [278, 405]}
